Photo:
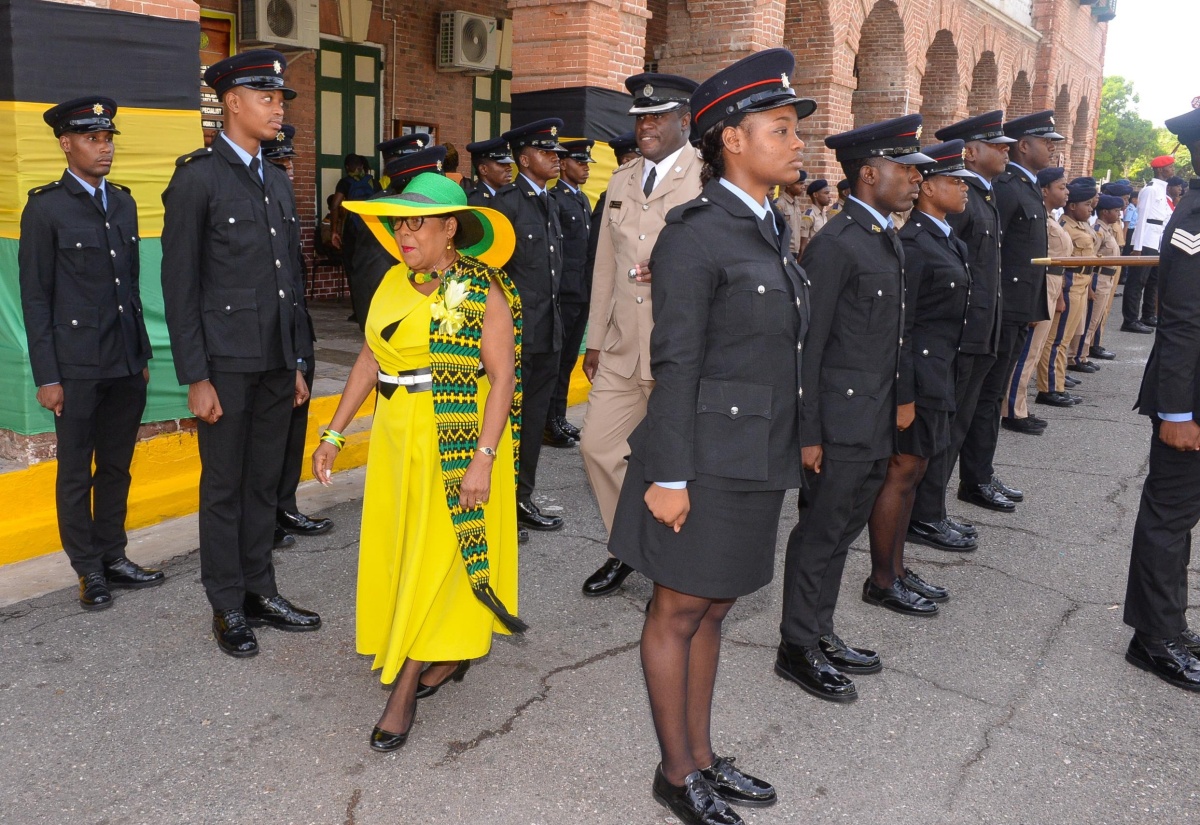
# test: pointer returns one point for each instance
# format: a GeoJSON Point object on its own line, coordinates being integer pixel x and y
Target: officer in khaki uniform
{"type": "Point", "coordinates": [1110, 232]}
{"type": "Point", "coordinates": [1068, 319]}
{"type": "Point", "coordinates": [792, 208]}
{"type": "Point", "coordinates": [816, 216]}
{"type": "Point", "coordinates": [1015, 409]}
{"type": "Point", "coordinates": [617, 360]}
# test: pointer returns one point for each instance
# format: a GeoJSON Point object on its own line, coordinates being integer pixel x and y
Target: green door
{"type": "Point", "coordinates": [347, 110]}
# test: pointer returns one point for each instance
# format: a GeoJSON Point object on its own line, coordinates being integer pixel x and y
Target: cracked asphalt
{"type": "Point", "coordinates": [1013, 706]}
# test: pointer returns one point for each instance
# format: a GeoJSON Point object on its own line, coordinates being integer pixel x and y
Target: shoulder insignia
{"type": "Point", "coordinates": [1185, 241]}
{"type": "Point", "coordinates": [188, 158]}
{"type": "Point", "coordinates": [49, 187]}
{"type": "Point", "coordinates": [116, 185]}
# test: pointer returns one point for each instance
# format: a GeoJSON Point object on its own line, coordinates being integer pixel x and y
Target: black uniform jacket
{"type": "Point", "coordinates": [938, 285]}
{"type": "Point", "coordinates": [1023, 223]}
{"type": "Point", "coordinates": [366, 261]}
{"type": "Point", "coordinates": [79, 284]}
{"type": "Point", "coordinates": [481, 195]}
{"type": "Point", "coordinates": [232, 272]}
{"type": "Point", "coordinates": [575, 214]}
{"type": "Point", "coordinates": [1171, 383]}
{"type": "Point", "coordinates": [536, 264]}
{"type": "Point", "coordinates": [979, 228]}
{"type": "Point", "coordinates": [730, 311]}
{"type": "Point", "coordinates": [851, 353]}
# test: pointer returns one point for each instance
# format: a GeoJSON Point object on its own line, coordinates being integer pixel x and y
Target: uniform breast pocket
{"type": "Point", "coordinates": [877, 302]}
{"type": "Point", "coordinates": [848, 406]}
{"type": "Point", "coordinates": [231, 323]}
{"type": "Point", "coordinates": [82, 249]}
{"type": "Point", "coordinates": [233, 225]}
{"type": "Point", "coordinates": [532, 248]}
{"type": "Point", "coordinates": [932, 373]}
{"type": "Point", "coordinates": [733, 429]}
{"type": "Point", "coordinates": [77, 335]}
{"type": "Point", "coordinates": [756, 302]}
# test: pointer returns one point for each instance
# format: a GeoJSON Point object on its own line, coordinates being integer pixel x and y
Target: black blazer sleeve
{"type": "Point", "coordinates": [185, 216]}
{"type": "Point", "coordinates": [36, 259]}
{"type": "Point", "coordinates": [1177, 338]}
{"type": "Point", "coordinates": [828, 271]}
{"type": "Point", "coordinates": [915, 265]}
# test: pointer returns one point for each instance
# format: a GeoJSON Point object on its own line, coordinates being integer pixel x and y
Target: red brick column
{"type": "Point", "coordinates": [561, 44]}
{"type": "Point", "coordinates": [707, 35]}
{"type": "Point", "coordinates": [170, 9]}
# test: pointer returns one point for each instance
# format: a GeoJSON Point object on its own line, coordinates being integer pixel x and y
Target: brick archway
{"type": "Point", "coordinates": [940, 83]}
{"type": "Point", "coordinates": [985, 86]}
{"type": "Point", "coordinates": [1062, 125]}
{"type": "Point", "coordinates": [809, 34]}
{"type": "Point", "coordinates": [1020, 97]}
{"type": "Point", "coordinates": [1079, 138]}
{"type": "Point", "coordinates": [880, 67]}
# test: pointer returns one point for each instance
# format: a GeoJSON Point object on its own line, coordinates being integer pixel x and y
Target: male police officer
{"type": "Point", "coordinates": [536, 269]}
{"type": "Point", "coordinates": [88, 346]}
{"type": "Point", "coordinates": [492, 164]}
{"type": "Point", "coordinates": [849, 414]}
{"type": "Point", "coordinates": [1156, 597]}
{"type": "Point", "coordinates": [575, 286]}
{"type": "Point", "coordinates": [617, 360]}
{"type": "Point", "coordinates": [985, 155]}
{"type": "Point", "coordinates": [233, 286]}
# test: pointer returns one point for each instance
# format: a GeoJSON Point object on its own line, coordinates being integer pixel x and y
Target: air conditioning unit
{"type": "Point", "coordinates": [295, 23]}
{"type": "Point", "coordinates": [468, 42]}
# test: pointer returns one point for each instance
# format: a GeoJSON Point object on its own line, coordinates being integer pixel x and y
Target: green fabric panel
{"type": "Point", "coordinates": [19, 410]}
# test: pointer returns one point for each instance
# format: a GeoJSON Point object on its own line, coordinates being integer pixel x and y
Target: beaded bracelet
{"type": "Point", "coordinates": [335, 438]}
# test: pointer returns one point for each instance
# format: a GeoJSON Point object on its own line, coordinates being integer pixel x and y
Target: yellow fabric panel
{"type": "Point", "coordinates": [146, 149]}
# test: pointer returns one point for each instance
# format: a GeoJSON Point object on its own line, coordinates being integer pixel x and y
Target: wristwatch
{"type": "Point", "coordinates": [486, 451]}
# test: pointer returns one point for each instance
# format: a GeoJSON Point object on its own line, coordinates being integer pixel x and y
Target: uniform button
{"type": "Point", "coordinates": [233, 220]}
{"type": "Point", "coordinates": [639, 299]}
{"type": "Point", "coordinates": [530, 237]}
{"type": "Point", "coordinates": [902, 305]}
{"type": "Point", "coordinates": [551, 247]}
{"type": "Point", "coordinates": [120, 308]}
{"type": "Point", "coordinates": [133, 238]}
{"type": "Point", "coordinates": [1014, 280]}
{"type": "Point", "coordinates": [641, 237]}
{"type": "Point", "coordinates": [112, 252]}
{"type": "Point", "coordinates": [228, 308]}
{"type": "Point", "coordinates": [106, 226]}
{"type": "Point", "coordinates": [281, 293]}
{"type": "Point", "coordinates": [645, 206]}
{"type": "Point", "coordinates": [924, 352]}
{"type": "Point", "coordinates": [762, 289]}
{"type": "Point", "coordinates": [800, 346]}
{"type": "Point", "coordinates": [797, 302]}
{"type": "Point", "coordinates": [118, 280]}
{"type": "Point", "coordinates": [704, 200]}
{"type": "Point", "coordinates": [897, 375]}
{"type": "Point", "coordinates": [800, 392]}
{"type": "Point", "coordinates": [952, 284]}
{"type": "Point", "coordinates": [901, 342]}
{"type": "Point", "coordinates": [74, 323]}
{"type": "Point", "coordinates": [79, 246]}
{"type": "Point", "coordinates": [880, 293]}
{"type": "Point", "coordinates": [272, 232]}
{"type": "Point", "coordinates": [678, 168]}
{"type": "Point", "coordinates": [277, 263]}
{"type": "Point", "coordinates": [849, 393]}
{"type": "Point", "coordinates": [733, 410]}
{"type": "Point", "coordinates": [267, 199]}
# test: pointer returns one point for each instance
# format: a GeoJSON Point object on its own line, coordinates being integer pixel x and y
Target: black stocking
{"type": "Point", "coordinates": [888, 524]}
{"type": "Point", "coordinates": [402, 704]}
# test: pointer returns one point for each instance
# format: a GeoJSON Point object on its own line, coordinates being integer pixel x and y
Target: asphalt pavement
{"type": "Point", "coordinates": [1013, 706]}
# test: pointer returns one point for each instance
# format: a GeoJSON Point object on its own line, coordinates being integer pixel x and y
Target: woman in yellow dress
{"type": "Point", "coordinates": [437, 569]}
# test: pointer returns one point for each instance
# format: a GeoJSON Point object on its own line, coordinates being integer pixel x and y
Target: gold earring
{"type": "Point", "coordinates": [449, 245]}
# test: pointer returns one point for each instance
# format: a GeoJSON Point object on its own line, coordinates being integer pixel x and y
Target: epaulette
{"type": "Point", "coordinates": [48, 187]}
{"type": "Point", "coordinates": [199, 153]}
{"type": "Point", "coordinates": [116, 185]}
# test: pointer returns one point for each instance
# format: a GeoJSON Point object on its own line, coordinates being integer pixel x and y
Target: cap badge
{"type": "Point", "coordinates": [1052, 121]}
{"type": "Point", "coordinates": [98, 109]}
{"type": "Point", "coordinates": [439, 166]}
{"type": "Point", "coordinates": [918, 133]}
{"type": "Point", "coordinates": [281, 137]}
{"type": "Point", "coordinates": [278, 67]}
{"type": "Point", "coordinates": [647, 90]}
{"type": "Point", "coordinates": [553, 131]}
{"type": "Point", "coordinates": [787, 84]}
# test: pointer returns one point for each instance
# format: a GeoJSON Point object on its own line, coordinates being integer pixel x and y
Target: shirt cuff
{"type": "Point", "coordinates": [49, 384]}
{"type": "Point", "coordinates": [672, 485]}
{"type": "Point", "coordinates": [1175, 418]}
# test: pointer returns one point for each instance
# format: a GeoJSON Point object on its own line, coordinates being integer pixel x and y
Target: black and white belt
{"type": "Point", "coordinates": [418, 380]}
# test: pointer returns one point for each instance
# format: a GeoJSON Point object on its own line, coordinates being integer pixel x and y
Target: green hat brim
{"type": "Point", "coordinates": [485, 233]}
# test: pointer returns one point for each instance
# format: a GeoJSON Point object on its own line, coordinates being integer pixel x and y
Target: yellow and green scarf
{"type": "Point", "coordinates": [455, 335]}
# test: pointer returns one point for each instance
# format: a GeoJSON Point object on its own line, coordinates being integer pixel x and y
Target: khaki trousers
{"type": "Point", "coordinates": [1052, 367]}
{"type": "Point", "coordinates": [1015, 403]}
{"type": "Point", "coordinates": [616, 405]}
{"type": "Point", "coordinates": [1099, 303]}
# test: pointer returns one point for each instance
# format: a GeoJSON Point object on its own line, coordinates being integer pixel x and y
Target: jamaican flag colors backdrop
{"type": "Point", "coordinates": [51, 52]}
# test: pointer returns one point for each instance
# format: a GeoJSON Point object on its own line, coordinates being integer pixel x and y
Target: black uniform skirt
{"type": "Point", "coordinates": [724, 550]}
{"type": "Point", "coordinates": [928, 435]}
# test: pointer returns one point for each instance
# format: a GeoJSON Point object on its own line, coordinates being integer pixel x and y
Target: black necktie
{"type": "Point", "coordinates": [544, 197]}
{"type": "Point", "coordinates": [99, 196]}
{"type": "Point", "coordinates": [254, 167]}
{"type": "Point", "coordinates": [648, 186]}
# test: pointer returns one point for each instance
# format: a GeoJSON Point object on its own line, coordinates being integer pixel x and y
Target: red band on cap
{"type": "Point", "coordinates": [734, 92]}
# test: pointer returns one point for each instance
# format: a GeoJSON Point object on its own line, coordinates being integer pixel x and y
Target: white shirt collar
{"type": "Point", "coordinates": [986, 183]}
{"type": "Point", "coordinates": [876, 214]}
{"type": "Point", "coordinates": [91, 190]}
{"type": "Point", "coordinates": [537, 190]}
{"type": "Point", "coordinates": [574, 189]}
{"type": "Point", "coordinates": [942, 225]}
{"type": "Point", "coordinates": [1032, 177]}
{"type": "Point", "coordinates": [243, 154]}
{"type": "Point", "coordinates": [759, 209]}
{"type": "Point", "coordinates": [665, 163]}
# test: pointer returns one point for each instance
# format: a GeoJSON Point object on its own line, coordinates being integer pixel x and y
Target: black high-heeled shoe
{"type": "Point", "coordinates": [425, 691]}
{"type": "Point", "coordinates": [386, 741]}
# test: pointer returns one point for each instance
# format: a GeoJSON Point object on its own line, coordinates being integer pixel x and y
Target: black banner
{"type": "Point", "coordinates": [600, 114]}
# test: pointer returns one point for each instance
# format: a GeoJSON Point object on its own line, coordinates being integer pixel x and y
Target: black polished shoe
{"type": "Point", "coordinates": [858, 660]}
{"type": "Point", "coordinates": [301, 524]}
{"type": "Point", "coordinates": [283, 538]}
{"type": "Point", "coordinates": [93, 592]}
{"type": "Point", "coordinates": [1136, 326]}
{"type": "Point", "coordinates": [1191, 640]}
{"type": "Point", "coordinates": [385, 742]}
{"type": "Point", "coordinates": [986, 496]}
{"type": "Point", "coordinates": [1037, 422]}
{"type": "Point", "coordinates": [567, 427]}
{"type": "Point", "coordinates": [1010, 493]}
{"type": "Point", "coordinates": [278, 612]}
{"type": "Point", "coordinates": [694, 802]}
{"type": "Point", "coordinates": [1070, 383]}
{"type": "Point", "coordinates": [1021, 425]}
{"type": "Point", "coordinates": [1084, 366]}
{"type": "Point", "coordinates": [1074, 399]}
{"type": "Point", "coordinates": [1150, 321]}
{"type": "Point", "coordinates": [607, 580]}
{"type": "Point", "coordinates": [923, 588]}
{"type": "Point", "coordinates": [233, 634]}
{"type": "Point", "coordinates": [1169, 660]}
{"type": "Point", "coordinates": [736, 787]}
{"type": "Point", "coordinates": [553, 436]}
{"type": "Point", "coordinates": [424, 691]}
{"type": "Point", "coordinates": [939, 535]}
{"type": "Point", "coordinates": [898, 598]}
{"type": "Point", "coordinates": [126, 574]}
{"type": "Point", "coordinates": [965, 527]}
{"type": "Point", "coordinates": [530, 516]}
{"type": "Point", "coordinates": [1101, 353]}
{"type": "Point", "coordinates": [808, 667]}
{"type": "Point", "coordinates": [1054, 399]}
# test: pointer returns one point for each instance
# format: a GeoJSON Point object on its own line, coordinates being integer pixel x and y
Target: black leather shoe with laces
{"type": "Point", "coordinates": [301, 524]}
{"type": "Point", "coordinates": [898, 598]}
{"type": "Point", "coordinates": [93, 592]}
{"type": "Point", "coordinates": [528, 515]}
{"type": "Point", "coordinates": [694, 802]}
{"type": "Point", "coordinates": [736, 787]}
{"type": "Point", "coordinates": [233, 634]}
{"type": "Point", "coordinates": [923, 588]}
{"type": "Point", "coordinates": [279, 613]}
{"type": "Point", "coordinates": [808, 668]}
{"type": "Point", "coordinates": [1168, 659]}
{"type": "Point", "coordinates": [607, 579]}
{"type": "Point", "coordinates": [1010, 493]}
{"type": "Point", "coordinates": [849, 659]}
{"type": "Point", "coordinates": [126, 574]}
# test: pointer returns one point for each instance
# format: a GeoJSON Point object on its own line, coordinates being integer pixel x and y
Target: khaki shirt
{"type": "Point", "coordinates": [620, 317]}
{"type": "Point", "coordinates": [793, 212]}
{"type": "Point", "coordinates": [812, 220]}
{"type": "Point", "coordinates": [1110, 242]}
{"type": "Point", "coordinates": [1058, 240]}
{"type": "Point", "coordinates": [1083, 239]}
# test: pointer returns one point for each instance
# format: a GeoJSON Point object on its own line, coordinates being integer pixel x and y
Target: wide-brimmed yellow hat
{"type": "Point", "coordinates": [482, 233]}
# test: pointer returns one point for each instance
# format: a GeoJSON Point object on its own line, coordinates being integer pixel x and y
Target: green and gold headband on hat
{"type": "Point", "coordinates": [483, 233]}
